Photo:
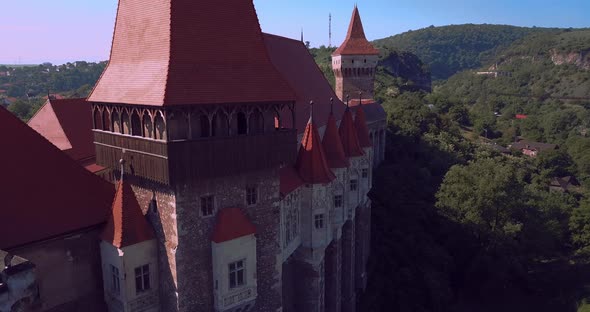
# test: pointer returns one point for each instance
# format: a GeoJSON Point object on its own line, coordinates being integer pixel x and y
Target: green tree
{"type": "Point", "coordinates": [580, 227]}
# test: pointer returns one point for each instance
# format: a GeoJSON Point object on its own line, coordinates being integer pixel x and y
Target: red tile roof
{"type": "Point", "coordinates": [333, 145]}
{"type": "Point", "coordinates": [126, 225]}
{"type": "Point", "coordinates": [356, 43]}
{"type": "Point", "coordinates": [68, 125]}
{"type": "Point", "coordinates": [44, 192]}
{"type": "Point", "coordinates": [360, 124]}
{"type": "Point", "coordinates": [232, 223]}
{"type": "Point", "coordinates": [311, 163]}
{"type": "Point", "coordinates": [189, 52]}
{"type": "Point", "coordinates": [521, 116]}
{"type": "Point", "coordinates": [348, 136]}
{"type": "Point", "coordinates": [294, 62]}
{"type": "Point", "coordinates": [289, 179]}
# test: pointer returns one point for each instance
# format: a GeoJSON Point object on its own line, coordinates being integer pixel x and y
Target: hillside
{"type": "Point", "coordinates": [451, 49]}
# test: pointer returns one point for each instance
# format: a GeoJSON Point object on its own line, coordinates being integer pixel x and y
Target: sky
{"type": "Point", "coordinates": [60, 31]}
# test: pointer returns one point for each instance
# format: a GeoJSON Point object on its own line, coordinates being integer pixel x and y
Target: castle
{"type": "Point", "coordinates": [241, 175]}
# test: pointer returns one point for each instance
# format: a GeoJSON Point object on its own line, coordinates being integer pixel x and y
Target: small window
{"type": "Point", "coordinates": [319, 221]}
{"type": "Point", "coordinates": [236, 274]}
{"type": "Point", "coordinates": [207, 206]}
{"type": "Point", "coordinates": [365, 173]}
{"type": "Point", "coordinates": [142, 278]}
{"type": "Point", "coordinates": [115, 280]}
{"type": "Point", "coordinates": [251, 195]}
{"type": "Point", "coordinates": [353, 184]}
{"type": "Point", "coordinates": [338, 201]}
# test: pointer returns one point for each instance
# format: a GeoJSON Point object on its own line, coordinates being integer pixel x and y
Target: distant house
{"type": "Point", "coordinates": [499, 148]}
{"type": "Point", "coordinates": [532, 149]}
{"type": "Point", "coordinates": [521, 116]}
{"type": "Point", "coordinates": [564, 184]}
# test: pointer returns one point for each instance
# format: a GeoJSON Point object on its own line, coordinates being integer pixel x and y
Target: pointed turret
{"type": "Point", "coordinates": [360, 123]}
{"type": "Point", "coordinates": [332, 145]}
{"type": "Point", "coordinates": [356, 43]}
{"type": "Point", "coordinates": [126, 225]}
{"type": "Point", "coordinates": [311, 162]}
{"type": "Point", "coordinates": [348, 136]}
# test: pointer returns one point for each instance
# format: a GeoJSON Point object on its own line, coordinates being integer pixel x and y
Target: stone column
{"type": "Point", "coordinates": [309, 286]}
{"type": "Point", "coordinates": [348, 257]}
{"type": "Point", "coordinates": [333, 276]}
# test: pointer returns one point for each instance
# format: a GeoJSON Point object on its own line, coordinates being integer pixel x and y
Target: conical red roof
{"type": "Point", "coordinates": [127, 225]}
{"type": "Point", "coordinates": [333, 145]}
{"type": "Point", "coordinates": [311, 163]}
{"type": "Point", "coordinates": [362, 131]}
{"type": "Point", "coordinates": [232, 223]}
{"type": "Point", "coordinates": [356, 43]}
{"type": "Point", "coordinates": [176, 52]}
{"type": "Point", "coordinates": [348, 136]}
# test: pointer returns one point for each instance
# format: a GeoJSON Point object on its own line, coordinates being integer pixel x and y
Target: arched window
{"type": "Point", "coordinates": [97, 119]}
{"type": "Point", "coordinates": [148, 127]}
{"type": "Point", "coordinates": [256, 122]}
{"type": "Point", "coordinates": [116, 122]}
{"type": "Point", "coordinates": [242, 124]}
{"type": "Point", "coordinates": [205, 126]}
{"type": "Point", "coordinates": [126, 123]}
{"type": "Point", "coordinates": [160, 127]}
{"type": "Point", "coordinates": [220, 125]}
{"type": "Point", "coordinates": [106, 121]}
{"type": "Point", "coordinates": [135, 124]}
{"type": "Point", "coordinates": [178, 125]}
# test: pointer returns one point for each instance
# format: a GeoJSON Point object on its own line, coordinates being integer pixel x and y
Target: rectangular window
{"type": "Point", "coordinates": [338, 201]}
{"type": "Point", "coordinates": [319, 221]}
{"type": "Point", "coordinates": [236, 274]}
{"type": "Point", "coordinates": [353, 184]}
{"type": "Point", "coordinates": [115, 280]}
{"type": "Point", "coordinates": [251, 195]}
{"type": "Point", "coordinates": [365, 173]}
{"type": "Point", "coordinates": [207, 206]}
{"type": "Point", "coordinates": [142, 278]}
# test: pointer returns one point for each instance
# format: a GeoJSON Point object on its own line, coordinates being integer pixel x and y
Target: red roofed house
{"type": "Point", "coordinates": [205, 112]}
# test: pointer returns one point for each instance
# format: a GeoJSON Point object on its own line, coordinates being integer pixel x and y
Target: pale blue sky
{"type": "Point", "coordinates": [34, 31]}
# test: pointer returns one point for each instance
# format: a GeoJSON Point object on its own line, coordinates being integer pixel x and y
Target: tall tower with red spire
{"type": "Point", "coordinates": [354, 62]}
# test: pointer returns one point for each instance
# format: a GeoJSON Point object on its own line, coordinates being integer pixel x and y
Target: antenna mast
{"type": "Point", "coordinates": [330, 30]}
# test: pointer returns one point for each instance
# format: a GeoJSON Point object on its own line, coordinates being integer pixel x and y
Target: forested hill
{"type": "Point", "coordinates": [454, 48]}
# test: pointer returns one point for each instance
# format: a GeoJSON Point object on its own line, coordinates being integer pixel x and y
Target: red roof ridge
{"type": "Point", "coordinates": [311, 161]}
{"type": "Point", "coordinates": [362, 131]}
{"type": "Point", "coordinates": [356, 42]}
{"type": "Point", "coordinates": [333, 145]}
{"type": "Point", "coordinates": [348, 136]}
{"type": "Point", "coordinates": [289, 180]}
{"type": "Point", "coordinates": [126, 225]}
{"type": "Point", "coordinates": [231, 223]}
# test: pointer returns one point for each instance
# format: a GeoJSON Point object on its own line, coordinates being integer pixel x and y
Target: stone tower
{"type": "Point", "coordinates": [354, 62]}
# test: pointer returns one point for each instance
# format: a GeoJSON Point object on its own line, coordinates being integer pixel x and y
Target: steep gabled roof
{"type": "Point", "coordinates": [67, 124]}
{"type": "Point", "coordinates": [356, 43]}
{"type": "Point", "coordinates": [297, 65]}
{"type": "Point", "coordinates": [289, 179]}
{"type": "Point", "coordinates": [348, 136]}
{"type": "Point", "coordinates": [311, 163]}
{"type": "Point", "coordinates": [126, 225]}
{"type": "Point", "coordinates": [182, 52]}
{"type": "Point", "coordinates": [332, 144]}
{"type": "Point", "coordinates": [232, 223]}
{"type": "Point", "coordinates": [44, 192]}
{"type": "Point", "coordinates": [360, 124]}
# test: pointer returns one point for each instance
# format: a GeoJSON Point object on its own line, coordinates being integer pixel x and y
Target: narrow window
{"type": "Point", "coordinates": [338, 201]}
{"type": "Point", "coordinates": [242, 124]}
{"type": "Point", "coordinates": [142, 278]}
{"type": "Point", "coordinates": [115, 280]}
{"type": "Point", "coordinates": [207, 206]}
{"type": "Point", "coordinates": [236, 274]}
{"type": "Point", "coordinates": [251, 195]}
{"type": "Point", "coordinates": [365, 173]}
{"type": "Point", "coordinates": [319, 221]}
{"type": "Point", "coordinates": [353, 184]}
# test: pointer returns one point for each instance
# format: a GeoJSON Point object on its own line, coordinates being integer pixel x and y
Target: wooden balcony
{"type": "Point", "coordinates": [180, 162]}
